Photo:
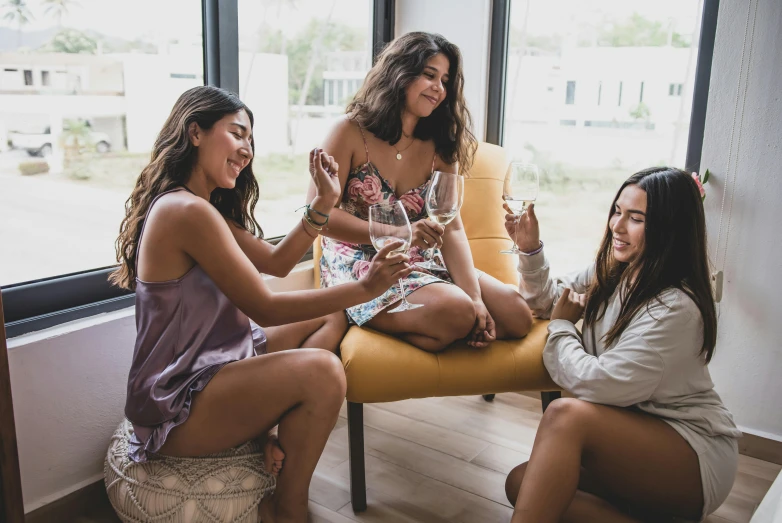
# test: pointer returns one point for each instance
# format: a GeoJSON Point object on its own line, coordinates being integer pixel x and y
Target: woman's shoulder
{"type": "Point", "coordinates": [180, 210]}
{"type": "Point", "coordinates": [346, 128]}
{"type": "Point", "coordinates": [672, 310]}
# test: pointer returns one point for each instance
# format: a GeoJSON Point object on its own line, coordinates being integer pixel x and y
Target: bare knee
{"type": "Point", "coordinates": [513, 482]}
{"type": "Point", "coordinates": [521, 322]}
{"type": "Point", "coordinates": [325, 379]}
{"type": "Point", "coordinates": [456, 318]}
{"type": "Point", "coordinates": [567, 415]}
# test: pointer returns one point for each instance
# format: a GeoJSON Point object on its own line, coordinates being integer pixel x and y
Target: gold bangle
{"type": "Point", "coordinates": [307, 231]}
{"type": "Point", "coordinates": [312, 223]}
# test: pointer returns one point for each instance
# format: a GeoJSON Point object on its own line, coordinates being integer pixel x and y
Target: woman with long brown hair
{"type": "Point", "coordinates": [203, 378]}
{"type": "Point", "coordinates": [408, 120]}
{"type": "Point", "coordinates": [645, 433]}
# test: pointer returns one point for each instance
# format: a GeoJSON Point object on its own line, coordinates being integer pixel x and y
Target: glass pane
{"type": "Point", "coordinates": [85, 86]}
{"type": "Point", "coordinates": [300, 63]}
{"type": "Point", "coordinates": [596, 90]}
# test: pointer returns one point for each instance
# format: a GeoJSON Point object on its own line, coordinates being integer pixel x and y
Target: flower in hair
{"type": "Point", "coordinates": [700, 182]}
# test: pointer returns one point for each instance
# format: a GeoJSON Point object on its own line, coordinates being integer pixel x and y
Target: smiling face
{"type": "Point", "coordinates": [428, 91]}
{"type": "Point", "coordinates": [628, 224]}
{"type": "Point", "coordinates": [225, 149]}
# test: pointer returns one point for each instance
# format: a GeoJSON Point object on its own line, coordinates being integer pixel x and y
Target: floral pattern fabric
{"type": "Point", "coordinates": [344, 262]}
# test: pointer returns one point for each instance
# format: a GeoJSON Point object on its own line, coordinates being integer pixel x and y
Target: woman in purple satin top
{"type": "Point", "coordinates": [204, 377]}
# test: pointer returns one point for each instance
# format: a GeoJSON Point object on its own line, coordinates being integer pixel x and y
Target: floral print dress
{"type": "Point", "coordinates": [344, 262]}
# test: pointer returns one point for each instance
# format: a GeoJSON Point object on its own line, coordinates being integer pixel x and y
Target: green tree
{"type": "Point", "coordinates": [71, 41]}
{"type": "Point", "coordinates": [638, 31]}
{"type": "Point", "coordinates": [17, 12]}
{"type": "Point", "coordinates": [336, 37]}
{"type": "Point", "coordinates": [58, 8]}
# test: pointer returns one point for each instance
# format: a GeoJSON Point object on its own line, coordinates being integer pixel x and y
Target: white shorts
{"type": "Point", "coordinates": [718, 458]}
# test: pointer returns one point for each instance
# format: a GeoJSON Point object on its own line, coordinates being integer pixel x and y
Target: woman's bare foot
{"type": "Point", "coordinates": [273, 456]}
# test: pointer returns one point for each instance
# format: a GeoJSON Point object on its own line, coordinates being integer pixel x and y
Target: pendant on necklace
{"type": "Point", "coordinates": [398, 156]}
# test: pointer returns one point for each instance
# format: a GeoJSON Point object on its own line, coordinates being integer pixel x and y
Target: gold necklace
{"type": "Point", "coordinates": [398, 152]}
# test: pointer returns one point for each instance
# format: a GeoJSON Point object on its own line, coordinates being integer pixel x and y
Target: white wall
{"type": "Point", "coordinates": [68, 385]}
{"type": "Point", "coordinates": [466, 23]}
{"type": "Point", "coordinates": [747, 368]}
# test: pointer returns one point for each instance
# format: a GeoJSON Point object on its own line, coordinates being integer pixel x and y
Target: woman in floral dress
{"type": "Point", "coordinates": [408, 120]}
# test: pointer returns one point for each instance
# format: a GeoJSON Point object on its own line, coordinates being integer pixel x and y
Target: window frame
{"type": "Point", "coordinates": [498, 62]}
{"type": "Point", "coordinates": [39, 304]}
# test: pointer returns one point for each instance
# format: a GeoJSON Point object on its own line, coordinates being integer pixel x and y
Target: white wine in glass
{"type": "Point", "coordinates": [443, 201]}
{"type": "Point", "coordinates": [522, 183]}
{"type": "Point", "coordinates": [388, 223]}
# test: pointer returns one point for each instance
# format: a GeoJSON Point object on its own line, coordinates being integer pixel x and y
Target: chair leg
{"type": "Point", "coordinates": [548, 397]}
{"type": "Point", "coordinates": [358, 481]}
{"type": "Point", "coordinates": [489, 397]}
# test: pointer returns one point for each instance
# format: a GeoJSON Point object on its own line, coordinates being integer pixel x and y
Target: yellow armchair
{"type": "Point", "coordinates": [382, 368]}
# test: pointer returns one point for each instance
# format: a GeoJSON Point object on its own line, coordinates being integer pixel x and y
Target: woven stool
{"type": "Point", "coordinates": [219, 488]}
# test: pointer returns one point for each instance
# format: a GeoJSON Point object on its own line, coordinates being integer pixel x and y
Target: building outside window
{"type": "Point", "coordinates": [300, 63]}
{"type": "Point", "coordinates": [638, 55]}
{"type": "Point", "coordinates": [84, 89]}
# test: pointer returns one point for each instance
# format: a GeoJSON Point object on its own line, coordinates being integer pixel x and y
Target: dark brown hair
{"type": "Point", "coordinates": [172, 161]}
{"type": "Point", "coordinates": [674, 255]}
{"type": "Point", "coordinates": [378, 104]}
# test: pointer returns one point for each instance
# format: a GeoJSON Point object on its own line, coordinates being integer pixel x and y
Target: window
{"type": "Point", "coordinates": [300, 63]}
{"type": "Point", "coordinates": [570, 93]}
{"type": "Point", "coordinates": [70, 154]}
{"type": "Point", "coordinates": [585, 150]}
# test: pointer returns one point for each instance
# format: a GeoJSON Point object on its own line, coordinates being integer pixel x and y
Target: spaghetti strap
{"type": "Point", "coordinates": [363, 137]}
{"type": "Point", "coordinates": [144, 225]}
{"type": "Point", "coordinates": [433, 159]}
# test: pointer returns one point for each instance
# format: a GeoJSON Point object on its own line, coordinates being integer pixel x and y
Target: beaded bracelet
{"type": "Point", "coordinates": [312, 223]}
{"type": "Point", "coordinates": [309, 218]}
{"type": "Point", "coordinates": [533, 252]}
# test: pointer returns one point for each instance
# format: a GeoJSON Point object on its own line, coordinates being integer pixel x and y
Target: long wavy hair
{"type": "Point", "coordinates": [173, 159]}
{"type": "Point", "coordinates": [674, 256]}
{"type": "Point", "coordinates": [378, 104]}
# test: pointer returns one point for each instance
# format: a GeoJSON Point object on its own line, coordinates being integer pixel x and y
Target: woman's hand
{"type": "Point", "coordinates": [570, 306]}
{"type": "Point", "coordinates": [523, 229]}
{"type": "Point", "coordinates": [427, 234]}
{"type": "Point", "coordinates": [385, 270]}
{"type": "Point", "coordinates": [484, 331]}
{"type": "Point", "coordinates": [323, 170]}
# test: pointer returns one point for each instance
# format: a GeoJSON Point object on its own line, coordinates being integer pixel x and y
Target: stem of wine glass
{"type": "Point", "coordinates": [402, 288]}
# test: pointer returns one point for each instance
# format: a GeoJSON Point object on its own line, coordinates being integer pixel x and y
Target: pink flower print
{"type": "Point", "coordinates": [371, 190]}
{"type": "Point", "coordinates": [413, 202]}
{"type": "Point", "coordinates": [415, 255]}
{"type": "Point", "coordinates": [354, 188]}
{"type": "Point", "coordinates": [344, 249]}
{"type": "Point", "coordinates": [360, 268]}
{"type": "Point", "coordinates": [699, 184]}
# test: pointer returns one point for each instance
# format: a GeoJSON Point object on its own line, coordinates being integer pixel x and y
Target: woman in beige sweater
{"type": "Point", "coordinates": [645, 435]}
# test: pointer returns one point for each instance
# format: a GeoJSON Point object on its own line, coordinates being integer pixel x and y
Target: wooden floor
{"type": "Point", "coordinates": [445, 460]}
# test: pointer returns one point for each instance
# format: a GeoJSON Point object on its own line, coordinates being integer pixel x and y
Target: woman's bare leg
{"type": "Point", "coordinates": [589, 504]}
{"type": "Point", "coordinates": [325, 333]}
{"type": "Point", "coordinates": [510, 312]}
{"type": "Point", "coordinates": [447, 315]}
{"type": "Point", "coordinates": [301, 391]}
{"type": "Point", "coordinates": [633, 457]}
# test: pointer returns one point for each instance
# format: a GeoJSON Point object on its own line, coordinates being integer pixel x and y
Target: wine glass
{"type": "Point", "coordinates": [388, 223]}
{"type": "Point", "coordinates": [443, 201]}
{"type": "Point", "coordinates": [520, 189]}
